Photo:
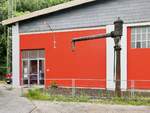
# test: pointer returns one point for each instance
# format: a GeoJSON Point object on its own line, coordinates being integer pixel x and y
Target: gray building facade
{"type": "Point", "coordinates": [96, 13]}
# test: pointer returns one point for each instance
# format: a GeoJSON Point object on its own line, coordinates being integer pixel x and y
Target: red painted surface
{"type": "Point", "coordinates": [87, 62]}
{"type": "Point", "coordinates": [138, 65]}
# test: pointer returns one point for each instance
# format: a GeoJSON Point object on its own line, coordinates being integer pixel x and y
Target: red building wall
{"type": "Point", "coordinates": [87, 62]}
{"type": "Point", "coordinates": [138, 65]}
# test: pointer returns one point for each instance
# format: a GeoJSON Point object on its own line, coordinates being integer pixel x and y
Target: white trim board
{"type": "Point", "coordinates": [137, 24]}
{"type": "Point", "coordinates": [67, 30]}
{"type": "Point", "coordinates": [15, 56]}
{"type": "Point", "coordinates": [110, 84]}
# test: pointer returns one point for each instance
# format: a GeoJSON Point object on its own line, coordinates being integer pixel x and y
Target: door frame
{"type": "Point", "coordinates": [28, 60]}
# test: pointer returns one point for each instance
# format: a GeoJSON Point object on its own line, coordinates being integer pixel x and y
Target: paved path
{"type": "Point", "coordinates": [60, 107]}
{"type": "Point", "coordinates": [12, 102]}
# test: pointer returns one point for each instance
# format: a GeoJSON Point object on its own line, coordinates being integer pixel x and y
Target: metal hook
{"type": "Point", "coordinates": [73, 45]}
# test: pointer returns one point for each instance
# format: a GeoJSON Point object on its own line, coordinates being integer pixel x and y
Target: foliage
{"type": "Point", "coordinates": [54, 85]}
{"type": "Point", "coordinates": [32, 5]}
{"type": "Point", "coordinates": [39, 94]}
{"type": "Point", "coordinates": [125, 101]}
{"type": "Point", "coordinates": [2, 82]}
{"type": "Point", "coordinates": [3, 40]}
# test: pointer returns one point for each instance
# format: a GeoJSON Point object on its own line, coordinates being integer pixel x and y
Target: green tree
{"type": "Point", "coordinates": [3, 39]}
{"type": "Point", "coordinates": [25, 6]}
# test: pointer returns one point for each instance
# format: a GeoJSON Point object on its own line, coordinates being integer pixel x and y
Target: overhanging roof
{"type": "Point", "coordinates": [45, 11]}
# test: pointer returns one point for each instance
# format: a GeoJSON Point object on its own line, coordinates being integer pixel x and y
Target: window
{"type": "Point", "coordinates": [31, 54]}
{"type": "Point", "coordinates": [140, 37]}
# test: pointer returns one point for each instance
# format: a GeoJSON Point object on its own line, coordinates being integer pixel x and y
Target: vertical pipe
{"type": "Point", "coordinates": [38, 73]}
{"type": "Point", "coordinates": [29, 73]}
{"type": "Point", "coordinates": [118, 71]}
{"type": "Point", "coordinates": [117, 37]}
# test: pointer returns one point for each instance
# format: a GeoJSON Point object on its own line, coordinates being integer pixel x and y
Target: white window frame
{"type": "Point", "coordinates": [141, 24]}
{"type": "Point", "coordinates": [141, 33]}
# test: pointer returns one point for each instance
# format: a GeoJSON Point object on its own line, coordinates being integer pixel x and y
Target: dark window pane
{"type": "Point", "coordinates": [138, 44]}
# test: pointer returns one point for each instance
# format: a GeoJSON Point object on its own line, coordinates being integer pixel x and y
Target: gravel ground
{"type": "Point", "coordinates": [11, 102]}
{"type": "Point", "coordinates": [61, 107]}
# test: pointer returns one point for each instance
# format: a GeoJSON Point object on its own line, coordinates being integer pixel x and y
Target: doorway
{"type": "Point", "coordinates": [33, 67]}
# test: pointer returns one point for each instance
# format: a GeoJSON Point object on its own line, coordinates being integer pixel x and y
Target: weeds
{"type": "Point", "coordinates": [2, 82]}
{"type": "Point", "coordinates": [39, 94]}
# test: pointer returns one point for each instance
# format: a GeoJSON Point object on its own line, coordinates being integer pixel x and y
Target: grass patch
{"type": "Point", "coordinates": [68, 98]}
{"type": "Point", "coordinates": [39, 94]}
{"type": "Point", "coordinates": [125, 101]}
{"type": "Point", "coordinates": [2, 82]}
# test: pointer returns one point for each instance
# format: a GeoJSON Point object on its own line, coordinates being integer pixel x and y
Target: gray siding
{"type": "Point", "coordinates": [98, 13]}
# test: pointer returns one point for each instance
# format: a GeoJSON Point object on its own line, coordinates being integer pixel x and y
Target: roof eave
{"type": "Point", "coordinates": [45, 11]}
